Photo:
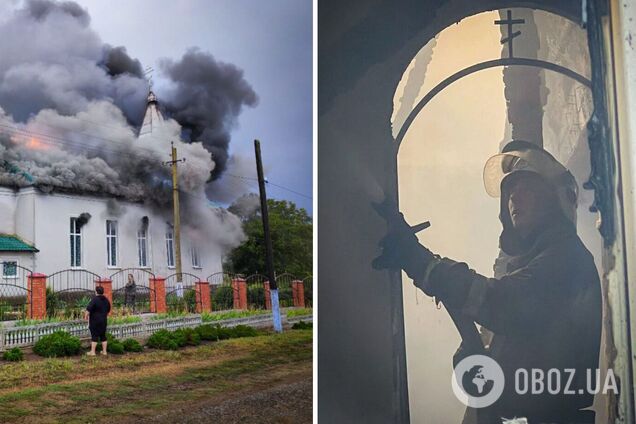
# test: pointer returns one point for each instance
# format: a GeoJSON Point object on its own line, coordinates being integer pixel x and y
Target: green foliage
{"type": "Point", "coordinates": [171, 314]}
{"type": "Point", "coordinates": [59, 343]}
{"type": "Point", "coordinates": [243, 331]}
{"type": "Point", "coordinates": [184, 304]}
{"type": "Point", "coordinates": [186, 337]}
{"type": "Point", "coordinates": [256, 296]}
{"type": "Point", "coordinates": [285, 297]}
{"type": "Point", "coordinates": [297, 312]}
{"type": "Point", "coordinates": [53, 303]}
{"type": "Point", "coordinates": [223, 298]}
{"type": "Point", "coordinates": [114, 346]}
{"type": "Point", "coordinates": [219, 316]}
{"type": "Point", "coordinates": [14, 355]}
{"type": "Point", "coordinates": [291, 230]}
{"type": "Point", "coordinates": [302, 325]}
{"type": "Point", "coordinates": [132, 345]}
{"type": "Point", "coordinates": [162, 339]}
{"type": "Point", "coordinates": [207, 332]}
{"type": "Point", "coordinates": [128, 319]}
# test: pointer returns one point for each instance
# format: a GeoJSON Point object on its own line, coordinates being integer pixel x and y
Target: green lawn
{"type": "Point", "coordinates": [134, 386]}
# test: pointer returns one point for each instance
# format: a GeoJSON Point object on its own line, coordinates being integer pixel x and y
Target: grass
{"type": "Point", "coordinates": [173, 314]}
{"type": "Point", "coordinates": [299, 312]}
{"type": "Point", "coordinates": [127, 319]}
{"type": "Point", "coordinates": [219, 316]}
{"type": "Point", "coordinates": [136, 385]}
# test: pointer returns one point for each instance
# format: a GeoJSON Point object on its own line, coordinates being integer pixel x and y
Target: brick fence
{"type": "Point", "coordinates": [37, 283]}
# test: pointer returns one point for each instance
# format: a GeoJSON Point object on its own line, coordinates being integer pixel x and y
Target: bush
{"type": "Point", "coordinates": [162, 339]}
{"type": "Point", "coordinates": [132, 345]}
{"type": "Point", "coordinates": [223, 298]}
{"type": "Point", "coordinates": [53, 302]}
{"type": "Point", "coordinates": [14, 355]}
{"type": "Point", "coordinates": [186, 337]}
{"type": "Point", "coordinates": [285, 297]}
{"type": "Point", "coordinates": [59, 343]}
{"type": "Point", "coordinates": [114, 346]}
{"type": "Point", "coordinates": [302, 325]}
{"type": "Point", "coordinates": [243, 331]}
{"type": "Point", "coordinates": [207, 332]}
{"type": "Point", "coordinates": [256, 296]}
{"type": "Point", "coordinates": [223, 333]}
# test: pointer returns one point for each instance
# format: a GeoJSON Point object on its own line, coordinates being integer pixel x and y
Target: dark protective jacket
{"type": "Point", "coordinates": [545, 312]}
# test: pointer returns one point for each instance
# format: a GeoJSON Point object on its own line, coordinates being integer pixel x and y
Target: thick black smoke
{"type": "Point", "coordinates": [207, 98]}
{"type": "Point", "coordinates": [116, 62]}
{"type": "Point", "coordinates": [53, 59]}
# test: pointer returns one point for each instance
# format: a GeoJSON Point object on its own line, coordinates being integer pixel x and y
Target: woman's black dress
{"type": "Point", "coordinates": [98, 309]}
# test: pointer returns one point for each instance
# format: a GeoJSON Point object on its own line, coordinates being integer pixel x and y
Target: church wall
{"type": "Point", "coordinates": [52, 224]}
{"type": "Point", "coordinates": [7, 211]}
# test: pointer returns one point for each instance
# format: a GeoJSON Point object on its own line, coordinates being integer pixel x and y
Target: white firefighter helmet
{"type": "Point", "coordinates": [522, 156]}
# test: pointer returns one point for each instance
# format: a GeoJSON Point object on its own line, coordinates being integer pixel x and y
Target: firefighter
{"type": "Point", "coordinates": [545, 309]}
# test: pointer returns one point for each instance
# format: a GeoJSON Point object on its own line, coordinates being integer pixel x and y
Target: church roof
{"type": "Point", "coordinates": [153, 116]}
{"type": "Point", "coordinates": [11, 243]}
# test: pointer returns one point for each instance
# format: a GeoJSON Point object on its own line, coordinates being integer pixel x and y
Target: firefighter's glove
{"type": "Point", "coordinates": [401, 250]}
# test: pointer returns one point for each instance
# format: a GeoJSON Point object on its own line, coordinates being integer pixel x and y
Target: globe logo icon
{"type": "Point", "coordinates": [478, 381]}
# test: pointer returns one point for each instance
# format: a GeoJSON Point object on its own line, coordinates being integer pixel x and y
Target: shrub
{"type": "Point", "coordinates": [132, 345]}
{"type": "Point", "coordinates": [223, 333]}
{"type": "Point", "coordinates": [114, 346]}
{"type": "Point", "coordinates": [14, 355]}
{"type": "Point", "coordinates": [243, 331]}
{"type": "Point", "coordinates": [223, 297]}
{"type": "Point", "coordinates": [285, 297]}
{"type": "Point", "coordinates": [207, 332]}
{"type": "Point", "coordinates": [162, 339]}
{"type": "Point", "coordinates": [186, 337]}
{"type": "Point", "coordinates": [256, 296]}
{"type": "Point", "coordinates": [53, 302]}
{"type": "Point", "coordinates": [302, 325]}
{"type": "Point", "coordinates": [59, 343]}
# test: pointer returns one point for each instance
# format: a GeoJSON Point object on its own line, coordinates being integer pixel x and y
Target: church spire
{"type": "Point", "coordinates": [153, 116]}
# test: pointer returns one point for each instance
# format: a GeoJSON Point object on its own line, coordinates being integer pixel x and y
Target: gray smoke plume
{"type": "Point", "coordinates": [71, 105]}
{"type": "Point", "coordinates": [207, 98]}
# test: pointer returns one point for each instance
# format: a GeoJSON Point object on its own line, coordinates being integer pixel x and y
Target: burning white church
{"type": "Point", "coordinates": [83, 180]}
{"type": "Point", "coordinates": [51, 222]}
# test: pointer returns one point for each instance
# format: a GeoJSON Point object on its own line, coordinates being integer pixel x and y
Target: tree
{"type": "Point", "coordinates": [291, 231]}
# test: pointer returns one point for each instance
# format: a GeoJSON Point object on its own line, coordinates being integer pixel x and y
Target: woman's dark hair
{"type": "Point", "coordinates": [99, 290]}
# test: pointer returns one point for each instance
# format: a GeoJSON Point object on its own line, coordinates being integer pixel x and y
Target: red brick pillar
{"type": "Point", "coordinates": [36, 296]}
{"type": "Point", "coordinates": [239, 288]}
{"type": "Point", "coordinates": [203, 296]}
{"type": "Point", "coordinates": [158, 301]}
{"type": "Point", "coordinates": [107, 284]}
{"type": "Point", "coordinates": [268, 296]}
{"type": "Point", "coordinates": [298, 293]}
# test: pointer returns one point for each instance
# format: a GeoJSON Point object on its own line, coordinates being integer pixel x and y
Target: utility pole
{"type": "Point", "coordinates": [175, 207]}
{"type": "Point", "coordinates": [269, 255]}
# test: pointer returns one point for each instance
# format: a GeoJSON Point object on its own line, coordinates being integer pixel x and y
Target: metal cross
{"type": "Point", "coordinates": [511, 35]}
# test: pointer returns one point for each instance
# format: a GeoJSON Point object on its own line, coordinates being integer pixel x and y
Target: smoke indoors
{"type": "Point", "coordinates": [71, 107]}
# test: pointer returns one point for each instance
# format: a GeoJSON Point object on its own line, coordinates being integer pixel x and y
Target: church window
{"type": "Point", "coordinates": [76, 243]}
{"type": "Point", "coordinates": [194, 254]}
{"type": "Point", "coordinates": [142, 247]}
{"type": "Point", "coordinates": [111, 242]}
{"type": "Point", "coordinates": [10, 269]}
{"type": "Point", "coordinates": [170, 248]}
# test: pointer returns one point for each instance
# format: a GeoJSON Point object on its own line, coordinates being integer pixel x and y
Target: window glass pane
{"type": "Point", "coordinates": [9, 269]}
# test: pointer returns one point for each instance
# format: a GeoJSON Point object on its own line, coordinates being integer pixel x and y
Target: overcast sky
{"type": "Point", "coordinates": [270, 40]}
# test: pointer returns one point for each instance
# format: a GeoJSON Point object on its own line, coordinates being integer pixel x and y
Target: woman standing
{"type": "Point", "coordinates": [97, 315]}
